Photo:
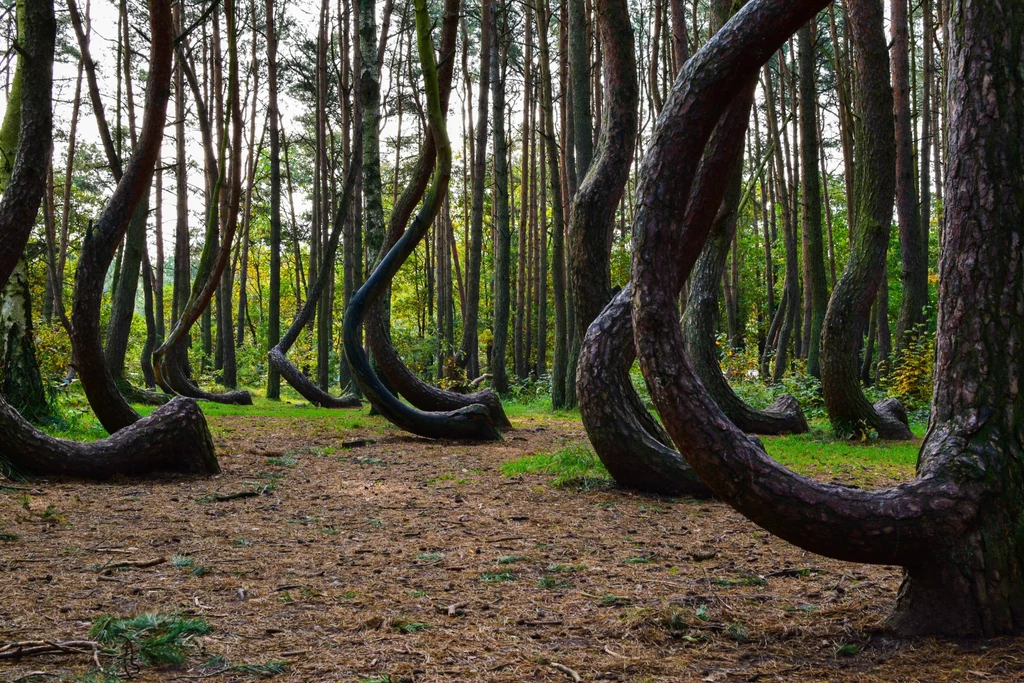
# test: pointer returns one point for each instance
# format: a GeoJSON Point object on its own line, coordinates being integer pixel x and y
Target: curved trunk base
{"type": "Point", "coordinates": [419, 393]}
{"type": "Point", "coordinates": [302, 384]}
{"type": "Point", "coordinates": [171, 377]}
{"type": "Point", "coordinates": [134, 394]}
{"type": "Point", "coordinates": [175, 438]}
{"type": "Point", "coordinates": [625, 436]}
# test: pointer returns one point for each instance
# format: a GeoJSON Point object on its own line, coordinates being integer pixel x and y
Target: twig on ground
{"type": "Point", "coordinates": [567, 671]}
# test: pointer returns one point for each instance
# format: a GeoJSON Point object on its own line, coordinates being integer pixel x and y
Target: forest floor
{"type": "Point", "coordinates": [365, 555]}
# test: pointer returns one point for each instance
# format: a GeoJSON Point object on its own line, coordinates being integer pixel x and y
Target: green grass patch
{"type": "Point", "coordinates": [497, 577]}
{"type": "Point", "coordinates": [573, 467]}
{"type": "Point", "coordinates": [512, 559]}
{"type": "Point", "coordinates": [819, 454]}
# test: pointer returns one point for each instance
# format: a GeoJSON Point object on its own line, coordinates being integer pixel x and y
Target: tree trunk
{"type": "Point", "coordinates": [849, 410]}
{"type": "Point", "coordinates": [952, 527]}
{"type": "Point", "coordinates": [811, 196]}
{"type": "Point", "coordinates": [591, 224]}
{"type": "Point", "coordinates": [468, 355]}
{"type": "Point", "coordinates": [503, 235]}
{"type": "Point", "coordinates": [274, 304]}
{"type": "Point", "coordinates": [915, 268]}
{"type": "Point", "coordinates": [99, 246]}
{"type": "Point", "coordinates": [473, 422]}
{"type": "Point", "coordinates": [558, 377]}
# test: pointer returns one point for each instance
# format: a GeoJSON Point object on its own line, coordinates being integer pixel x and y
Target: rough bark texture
{"type": "Point", "coordinates": [592, 220]}
{"type": "Point", "coordinates": [849, 410]}
{"type": "Point", "coordinates": [784, 416]}
{"type": "Point", "coordinates": [174, 438]}
{"type": "Point", "coordinates": [953, 527]}
{"type": "Point", "coordinates": [274, 308]}
{"type": "Point", "coordinates": [24, 192]}
{"type": "Point", "coordinates": [473, 422]}
{"type": "Point", "coordinates": [560, 360]}
{"type": "Point", "coordinates": [631, 444]}
{"type": "Point", "coordinates": [502, 231]}
{"type": "Point", "coordinates": [98, 248]}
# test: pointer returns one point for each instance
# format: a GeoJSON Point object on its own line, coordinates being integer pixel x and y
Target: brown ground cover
{"type": "Point", "coordinates": [367, 555]}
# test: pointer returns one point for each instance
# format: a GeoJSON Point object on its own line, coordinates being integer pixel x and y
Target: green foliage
{"type": "Point", "coordinates": [573, 466]}
{"type": "Point", "coordinates": [497, 577]}
{"type": "Point", "coordinates": [910, 379]}
{"type": "Point", "coordinates": [155, 639]}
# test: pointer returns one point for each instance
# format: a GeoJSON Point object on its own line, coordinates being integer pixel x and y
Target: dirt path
{"type": "Point", "coordinates": [420, 561]}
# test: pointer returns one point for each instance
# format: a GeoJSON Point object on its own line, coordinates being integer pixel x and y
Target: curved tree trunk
{"type": "Point", "coordinates": [631, 444]}
{"type": "Point", "coordinates": [592, 221]}
{"type": "Point", "coordinates": [277, 355]}
{"type": "Point", "coordinates": [849, 410]}
{"type": "Point", "coordinates": [171, 359]}
{"type": "Point", "coordinates": [782, 417]}
{"type": "Point", "coordinates": [419, 393]}
{"type": "Point", "coordinates": [175, 437]}
{"type": "Point", "coordinates": [953, 527]}
{"type": "Point", "coordinates": [473, 422]}
{"type": "Point", "coordinates": [99, 245]}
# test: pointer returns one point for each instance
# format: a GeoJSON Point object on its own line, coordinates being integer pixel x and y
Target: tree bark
{"type": "Point", "coordinates": [473, 422]}
{"type": "Point", "coordinates": [502, 231]}
{"type": "Point", "coordinates": [274, 307]}
{"type": "Point", "coordinates": [811, 196]}
{"type": "Point", "coordinates": [915, 268]}
{"type": "Point", "coordinates": [592, 221]}
{"type": "Point", "coordinates": [558, 368]}
{"type": "Point", "coordinates": [468, 355]}
{"type": "Point", "coordinates": [849, 410]}
{"type": "Point", "coordinates": [98, 248]}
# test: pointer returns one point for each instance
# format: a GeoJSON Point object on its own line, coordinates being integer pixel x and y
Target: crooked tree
{"type": "Point", "coordinates": [953, 528]}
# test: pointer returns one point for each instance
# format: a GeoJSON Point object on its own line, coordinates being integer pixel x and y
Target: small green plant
{"type": "Point", "coordinates": [430, 557]}
{"type": "Point", "coordinates": [512, 559]}
{"type": "Point", "coordinates": [7, 537]}
{"type": "Point", "coordinates": [551, 583]}
{"type": "Point", "coordinates": [200, 571]}
{"type": "Point", "coordinates": [411, 626]}
{"type": "Point", "coordinates": [847, 650]}
{"type": "Point", "coordinates": [241, 543]}
{"type": "Point", "coordinates": [182, 562]}
{"type": "Point", "coordinates": [497, 577]}
{"type": "Point", "coordinates": [676, 622]}
{"type": "Point", "coordinates": [288, 461]}
{"type": "Point", "coordinates": [614, 601]}
{"type": "Point", "coordinates": [737, 632]}
{"type": "Point", "coordinates": [155, 639]}
{"type": "Point", "coordinates": [702, 613]}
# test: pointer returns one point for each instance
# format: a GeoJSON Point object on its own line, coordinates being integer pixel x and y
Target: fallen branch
{"type": "Point", "coordinates": [567, 671]}
{"type": "Point", "coordinates": [36, 648]}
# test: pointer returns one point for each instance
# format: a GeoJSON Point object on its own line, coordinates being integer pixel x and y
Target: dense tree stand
{"type": "Point", "coordinates": [101, 242]}
{"type": "Point", "coordinates": [954, 527]}
{"type": "Point", "coordinates": [420, 394]}
{"type": "Point", "coordinates": [473, 422]}
{"type": "Point", "coordinates": [278, 355]}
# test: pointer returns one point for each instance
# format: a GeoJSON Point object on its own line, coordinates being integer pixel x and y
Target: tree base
{"type": "Point", "coordinates": [175, 438]}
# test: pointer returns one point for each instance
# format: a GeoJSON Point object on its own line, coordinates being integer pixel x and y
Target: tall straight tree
{"type": "Point", "coordinates": [502, 231]}
{"type": "Point", "coordinates": [915, 269]}
{"type": "Point", "coordinates": [560, 361]}
{"type": "Point", "coordinates": [274, 304]}
{"type": "Point", "coordinates": [811, 194]}
{"type": "Point", "coordinates": [469, 351]}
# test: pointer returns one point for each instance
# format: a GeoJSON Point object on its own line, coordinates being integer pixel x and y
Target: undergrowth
{"type": "Point", "coordinates": [574, 467]}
